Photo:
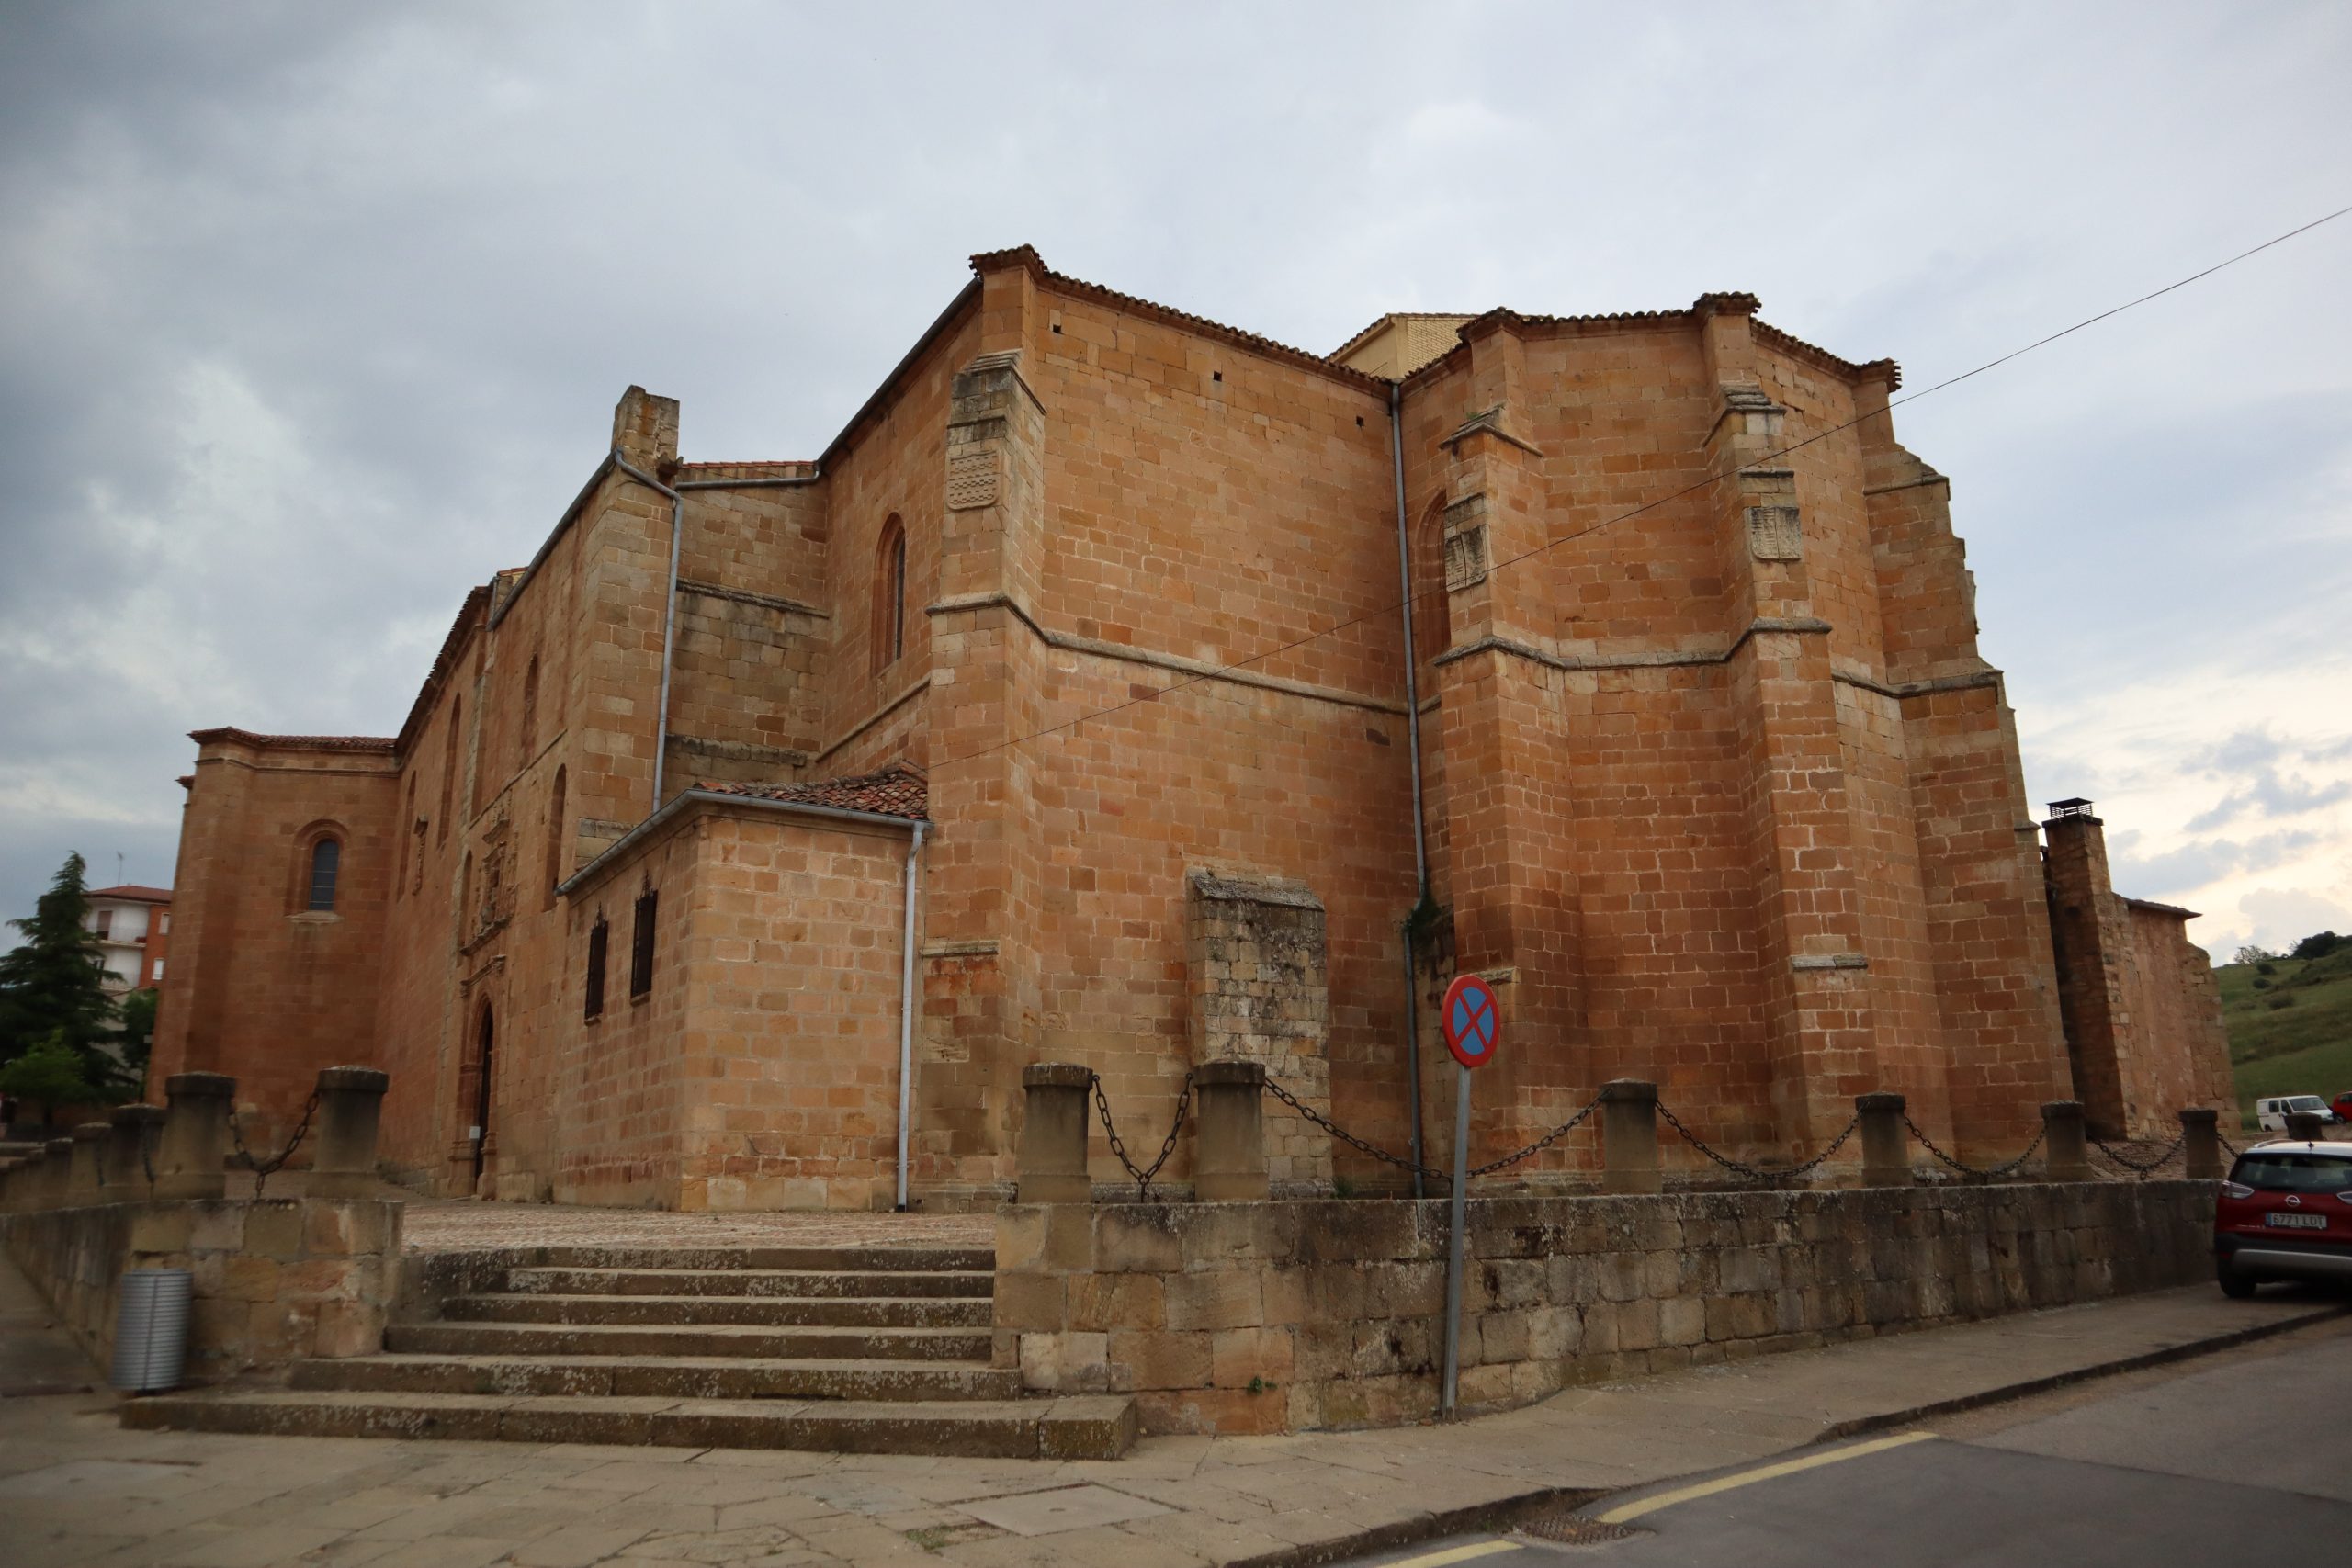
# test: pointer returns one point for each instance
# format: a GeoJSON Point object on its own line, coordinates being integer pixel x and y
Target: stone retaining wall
{"type": "Point", "coordinates": [274, 1281]}
{"type": "Point", "coordinates": [1294, 1316]}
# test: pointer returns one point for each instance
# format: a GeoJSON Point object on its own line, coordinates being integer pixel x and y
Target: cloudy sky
{"type": "Point", "coordinates": [314, 315]}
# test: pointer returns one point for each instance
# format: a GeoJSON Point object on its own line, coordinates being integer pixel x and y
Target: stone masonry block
{"type": "Point", "coordinates": [273, 1229]}
{"type": "Point", "coordinates": [1158, 1359]}
{"type": "Point", "coordinates": [1066, 1363]}
{"type": "Point", "coordinates": [1032, 1303]}
{"type": "Point", "coordinates": [161, 1228]}
{"type": "Point", "coordinates": [1139, 1237]}
{"type": "Point", "coordinates": [1118, 1301]}
{"type": "Point", "coordinates": [1227, 1298]}
{"type": "Point", "coordinates": [1240, 1356]}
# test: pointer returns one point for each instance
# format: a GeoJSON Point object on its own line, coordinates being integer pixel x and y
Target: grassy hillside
{"type": "Point", "coordinates": [2290, 1031]}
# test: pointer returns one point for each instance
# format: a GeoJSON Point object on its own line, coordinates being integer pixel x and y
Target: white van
{"type": "Point", "coordinates": [2270, 1115]}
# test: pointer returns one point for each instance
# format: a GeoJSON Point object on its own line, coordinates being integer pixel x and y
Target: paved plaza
{"type": "Point", "coordinates": [75, 1488]}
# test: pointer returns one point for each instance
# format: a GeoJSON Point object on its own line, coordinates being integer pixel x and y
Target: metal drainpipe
{"type": "Point", "coordinates": [907, 1017]}
{"type": "Point", "coordinates": [669, 612]}
{"type": "Point", "coordinates": [1413, 746]}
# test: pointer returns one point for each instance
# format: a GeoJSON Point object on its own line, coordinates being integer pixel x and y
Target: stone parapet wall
{"type": "Point", "coordinates": [1284, 1316]}
{"type": "Point", "coordinates": [274, 1280]}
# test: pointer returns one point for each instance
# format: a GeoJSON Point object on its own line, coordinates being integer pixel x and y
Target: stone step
{"type": "Point", "coordinates": [670, 1377]}
{"type": "Point", "coordinates": [813, 1259]}
{"type": "Point", "coordinates": [688, 1340]}
{"type": "Point", "coordinates": [797, 1311]}
{"type": "Point", "coordinates": [1090, 1426]}
{"type": "Point", "coordinates": [749, 1283]}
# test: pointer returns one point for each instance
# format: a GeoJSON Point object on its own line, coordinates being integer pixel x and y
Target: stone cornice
{"type": "Point", "coordinates": [745, 596]}
{"type": "Point", "coordinates": [965, 604]}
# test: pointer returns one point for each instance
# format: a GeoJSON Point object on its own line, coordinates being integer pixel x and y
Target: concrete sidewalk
{"type": "Point", "coordinates": [74, 1488]}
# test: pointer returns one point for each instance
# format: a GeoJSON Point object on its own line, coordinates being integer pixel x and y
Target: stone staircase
{"type": "Point", "coordinates": [859, 1349]}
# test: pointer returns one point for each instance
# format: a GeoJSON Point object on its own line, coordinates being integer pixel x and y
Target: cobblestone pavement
{"type": "Point", "coordinates": [461, 1227]}
{"type": "Point", "coordinates": [75, 1488]}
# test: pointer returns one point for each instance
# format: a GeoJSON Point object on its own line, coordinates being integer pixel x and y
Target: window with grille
{"type": "Point", "coordinates": [599, 939]}
{"type": "Point", "coordinates": [640, 954]}
{"type": "Point", "coordinates": [326, 859]}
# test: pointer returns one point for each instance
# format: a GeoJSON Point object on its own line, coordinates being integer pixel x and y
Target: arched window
{"type": "Point", "coordinates": [326, 860]}
{"type": "Point", "coordinates": [891, 595]}
{"type": "Point", "coordinates": [530, 708]}
{"type": "Point", "coordinates": [1432, 605]}
{"type": "Point", "coordinates": [555, 840]}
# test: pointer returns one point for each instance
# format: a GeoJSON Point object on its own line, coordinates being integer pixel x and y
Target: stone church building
{"type": "Point", "coordinates": [1063, 709]}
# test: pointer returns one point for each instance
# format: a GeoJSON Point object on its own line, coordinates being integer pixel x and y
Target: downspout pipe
{"type": "Point", "coordinates": [669, 613]}
{"type": "Point", "coordinates": [1413, 751]}
{"type": "Point", "coordinates": [907, 1015]}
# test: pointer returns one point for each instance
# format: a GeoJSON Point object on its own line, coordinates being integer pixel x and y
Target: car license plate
{"type": "Point", "coordinates": [2296, 1222]}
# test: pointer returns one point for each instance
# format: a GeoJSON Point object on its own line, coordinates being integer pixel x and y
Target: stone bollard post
{"type": "Point", "coordinates": [131, 1136]}
{"type": "Point", "coordinates": [1051, 1167]}
{"type": "Point", "coordinates": [351, 1103]}
{"type": "Point", "coordinates": [2066, 1154]}
{"type": "Point", "coordinates": [1886, 1143]}
{"type": "Point", "coordinates": [2304, 1126]}
{"type": "Point", "coordinates": [57, 1173]}
{"type": "Point", "coordinates": [1229, 1143]}
{"type": "Point", "coordinates": [88, 1179]}
{"type": "Point", "coordinates": [1629, 1137]}
{"type": "Point", "coordinates": [2200, 1142]}
{"type": "Point", "coordinates": [196, 1135]}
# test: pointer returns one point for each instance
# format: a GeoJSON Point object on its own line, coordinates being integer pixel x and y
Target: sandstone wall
{"type": "Point", "coordinates": [261, 986]}
{"type": "Point", "coordinates": [789, 1052]}
{"type": "Point", "coordinates": [274, 1280]}
{"type": "Point", "coordinates": [1269, 1317]}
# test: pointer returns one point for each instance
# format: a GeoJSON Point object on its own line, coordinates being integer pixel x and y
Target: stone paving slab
{"type": "Point", "coordinates": [75, 1488]}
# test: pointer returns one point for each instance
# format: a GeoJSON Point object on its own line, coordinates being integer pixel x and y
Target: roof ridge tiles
{"type": "Point", "coordinates": [229, 732]}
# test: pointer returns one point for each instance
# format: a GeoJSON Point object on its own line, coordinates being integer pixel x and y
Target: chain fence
{"type": "Point", "coordinates": [1768, 1176]}
{"type": "Point", "coordinates": [264, 1169]}
{"type": "Point", "coordinates": [1977, 1173]}
{"type": "Point", "coordinates": [2139, 1170]}
{"type": "Point", "coordinates": [1539, 1144]}
{"type": "Point", "coordinates": [1359, 1145]}
{"type": "Point", "coordinates": [1762, 1175]}
{"type": "Point", "coordinates": [1143, 1174]}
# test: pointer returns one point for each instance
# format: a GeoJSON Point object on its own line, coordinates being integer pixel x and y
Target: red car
{"type": "Point", "coordinates": [2343, 1107]}
{"type": "Point", "coordinates": [2284, 1213]}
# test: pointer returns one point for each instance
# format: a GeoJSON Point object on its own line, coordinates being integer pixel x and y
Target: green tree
{"type": "Point", "coordinates": [138, 1036]}
{"type": "Point", "coordinates": [50, 1073]}
{"type": "Point", "coordinates": [2318, 945]}
{"type": "Point", "coordinates": [52, 985]}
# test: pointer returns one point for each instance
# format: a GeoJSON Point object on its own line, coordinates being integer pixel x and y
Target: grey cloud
{"type": "Point", "coordinates": [2255, 759]}
{"type": "Point", "coordinates": [2176, 871]}
{"type": "Point", "coordinates": [316, 313]}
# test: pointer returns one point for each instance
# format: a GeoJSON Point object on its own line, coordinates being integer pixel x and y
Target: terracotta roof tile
{"type": "Point", "coordinates": [294, 742]}
{"type": "Point", "coordinates": [134, 891]}
{"type": "Point", "coordinates": [899, 790]}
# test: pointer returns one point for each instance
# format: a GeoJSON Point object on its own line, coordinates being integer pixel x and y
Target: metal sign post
{"type": "Point", "coordinates": [1473, 1024]}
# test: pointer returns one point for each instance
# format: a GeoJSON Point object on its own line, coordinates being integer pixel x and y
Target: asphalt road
{"type": "Point", "coordinates": [2212, 1464]}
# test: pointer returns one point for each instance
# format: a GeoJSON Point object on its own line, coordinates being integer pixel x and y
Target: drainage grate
{"type": "Point", "coordinates": [1569, 1527]}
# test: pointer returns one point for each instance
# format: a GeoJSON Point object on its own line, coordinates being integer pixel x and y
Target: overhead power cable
{"type": "Point", "coordinates": [1651, 505]}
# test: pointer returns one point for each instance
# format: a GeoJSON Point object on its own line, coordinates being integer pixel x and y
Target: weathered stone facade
{"type": "Point", "coordinates": [1717, 789]}
{"type": "Point", "coordinates": [1282, 1316]}
{"type": "Point", "coordinates": [2143, 1008]}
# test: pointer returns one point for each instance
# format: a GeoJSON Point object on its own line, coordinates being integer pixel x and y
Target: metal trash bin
{"type": "Point", "coordinates": [150, 1331]}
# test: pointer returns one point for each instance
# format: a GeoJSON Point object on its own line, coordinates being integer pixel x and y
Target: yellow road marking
{"type": "Point", "coordinates": [1634, 1510]}
{"type": "Point", "coordinates": [1455, 1555]}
